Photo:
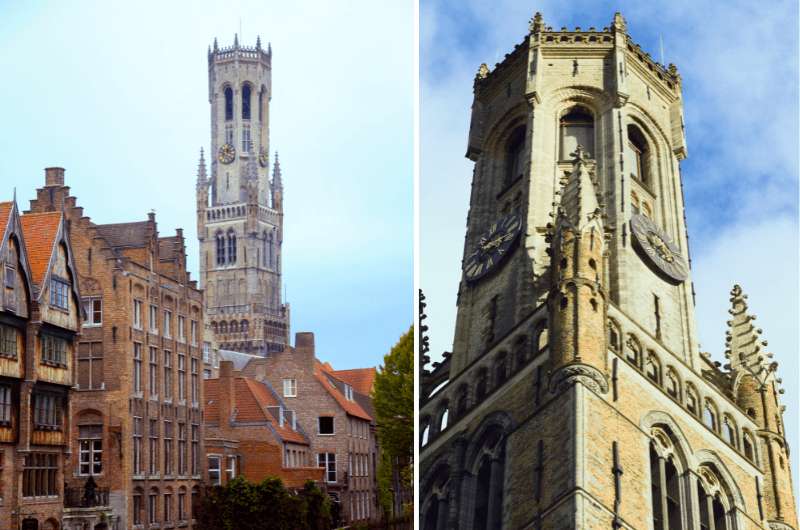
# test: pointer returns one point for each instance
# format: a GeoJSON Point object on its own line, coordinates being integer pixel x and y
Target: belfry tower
{"type": "Point", "coordinates": [239, 210]}
{"type": "Point", "coordinates": [576, 395]}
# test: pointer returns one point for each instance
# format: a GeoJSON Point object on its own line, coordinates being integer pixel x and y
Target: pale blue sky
{"type": "Point", "coordinates": [738, 61]}
{"type": "Point", "coordinates": [117, 93]}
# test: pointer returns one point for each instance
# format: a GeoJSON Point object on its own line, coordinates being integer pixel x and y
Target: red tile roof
{"type": "Point", "coordinates": [361, 379]}
{"type": "Point", "coordinates": [250, 401]}
{"type": "Point", "coordinates": [5, 212]}
{"type": "Point", "coordinates": [39, 230]}
{"type": "Point", "coordinates": [351, 407]}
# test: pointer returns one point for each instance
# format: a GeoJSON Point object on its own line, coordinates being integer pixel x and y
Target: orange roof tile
{"type": "Point", "coordinates": [5, 212]}
{"type": "Point", "coordinates": [351, 407]}
{"type": "Point", "coordinates": [361, 379]}
{"type": "Point", "coordinates": [251, 399]}
{"type": "Point", "coordinates": [39, 230]}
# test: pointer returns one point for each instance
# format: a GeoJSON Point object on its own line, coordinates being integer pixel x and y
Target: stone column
{"type": "Point", "coordinates": [662, 477]}
{"type": "Point", "coordinates": [443, 513]}
{"type": "Point", "coordinates": [710, 504]}
{"type": "Point", "coordinates": [456, 478]}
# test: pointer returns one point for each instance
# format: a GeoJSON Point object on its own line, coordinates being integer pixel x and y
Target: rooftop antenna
{"type": "Point", "coordinates": [661, 45]}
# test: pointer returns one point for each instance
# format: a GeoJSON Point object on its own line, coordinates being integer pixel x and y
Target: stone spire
{"type": "Point", "coordinates": [277, 183]}
{"type": "Point", "coordinates": [580, 204]}
{"type": "Point", "coordinates": [201, 169]}
{"type": "Point", "coordinates": [236, 41]}
{"type": "Point", "coordinates": [744, 348]}
{"type": "Point", "coordinates": [216, 46]}
{"type": "Point", "coordinates": [619, 22]}
{"type": "Point", "coordinates": [258, 42]}
{"type": "Point", "coordinates": [536, 23]}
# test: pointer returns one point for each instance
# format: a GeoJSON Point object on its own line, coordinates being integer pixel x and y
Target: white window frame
{"type": "Point", "coordinates": [215, 469]}
{"type": "Point", "coordinates": [181, 328]}
{"type": "Point", "coordinates": [88, 307]}
{"type": "Point", "coordinates": [230, 469]}
{"type": "Point", "coordinates": [168, 323]}
{"type": "Point", "coordinates": [348, 392]}
{"type": "Point", "coordinates": [137, 314]}
{"type": "Point", "coordinates": [290, 387]}
{"type": "Point", "coordinates": [328, 462]}
{"type": "Point", "coordinates": [153, 322]}
{"type": "Point", "coordinates": [93, 446]}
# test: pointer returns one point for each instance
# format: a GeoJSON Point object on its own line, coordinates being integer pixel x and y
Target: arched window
{"type": "Point", "coordinates": [613, 336]}
{"type": "Point", "coordinates": [653, 369]}
{"type": "Point", "coordinates": [665, 489]}
{"type": "Point", "coordinates": [223, 327]}
{"type": "Point", "coordinates": [577, 128]}
{"type": "Point", "coordinates": [634, 354]}
{"type": "Point", "coordinates": [501, 369]}
{"type": "Point", "coordinates": [712, 511]}
{"type": "Point", "coordinates": [228, 103]}
{"type": "Point", "coordinates": [245, 325]}
{"type": "Point", "coordinates": [729, 431]}
{"type": "Point", "coordinates": [515, 156]}
{"type": "Point", "coordinates": [426, 431]}
{"type": "Point", "coordinates": [234, 326]}
{"type": "Point", "coordinates": [541, 339]}
{"type": "Point", "coordinates": [246, 101]}
{"type": "Point", "coordinates": [488, 503]}
{"type": "Point", "coordinates": [444, 416]}
{"type": "Point", "coordinates": [520, 352]}
{"type": "Point", "coordinates": [220, 248]}
{"type": "Point", "coordinates": [480, 385]}
{"type": "Point", "coordinates": [639, 155]}
{"type": "Point", "coordinates": [692, 400]}
{"type": "Point", "coordinates": [261, 104]}
{"type": "Point", "coordinates": [710, 416]}
{"type": "Point", "coordinates": [231, 246]}
{"type": "Point", "coordinates": [214, 327]}
{"type": "Point", "coordinates": [672, 383]}
{"type": "Point", "coordinates": [747, 446]}
{"type": "Point", "coordinates": [461, 401]}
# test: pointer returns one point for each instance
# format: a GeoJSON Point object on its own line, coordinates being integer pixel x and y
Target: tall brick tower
{"type": "Point", "coordinates": [576, 395]}
{"type": "Point", "coordinates": [239, 211]}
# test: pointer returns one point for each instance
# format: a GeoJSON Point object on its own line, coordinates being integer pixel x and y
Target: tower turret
{"type": "Point", "coordinates": [756, 389]}
{"type": "Point", "coordinates": [577, 298]}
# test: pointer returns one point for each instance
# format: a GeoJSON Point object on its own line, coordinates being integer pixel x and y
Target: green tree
{"type": "Point", "coordinates": [268, 505]}
{"type": "Point", "coordinates": [393, 398]}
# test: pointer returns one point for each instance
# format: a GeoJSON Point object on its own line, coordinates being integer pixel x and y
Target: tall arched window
{"type": "Point", "coordinates": [228, 103]}
{"type": "Point", "coordinates": [692, 400]}
{"type": "Point", "coordinates": [639, 155]}
{"type": "Point", "coordinates": [634, 354]}
{"type": "Point", "coordinates": [480, 385]}
{"type": "Point", "coordinates": [246, 101]}
{"type": "Point", "coordinates": [665, 489]}
{"type": "Point", "coordinates": [747, 446]}
{"type": "Point", "coordinates": [220, 248]}
{"type": "Point", "coordinates": [461, 401]}
{"type": "Point", "coordinates": [488, 500]}
{"type": "Point", "coordinates": [231, 246]}
{"type": "Point", "coordinates": [501, 369]}
{"type": "Point", "coordinates": [710, 416]}
{"type": "Point", "coordinates": [653, 369]}
{"type": "Point", "coordinates": [223, 327]}
{"type": "Point", "coordinates": [515, 159]}
{"type": "Point", "coordinates": [712, 511]}
{"type": "Point", "coordinates": [672, 383]}
{"type": "Point", "coordinates": [729, 431]}
{"type": "Point", "coordinates": [577, 128]}
{"type": "Point", "coordinates": [426, 430]}
{"type": "Point", "coordinates": [261, 104]}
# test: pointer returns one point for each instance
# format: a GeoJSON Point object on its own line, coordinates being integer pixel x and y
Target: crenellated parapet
{"type": "Point", "coordinates": [219, 55]}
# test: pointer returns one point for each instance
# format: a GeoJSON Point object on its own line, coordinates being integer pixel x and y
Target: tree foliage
{"type": "Point", "coordinates": [393, 399]}
{"type": "Point", "coordinates": [267, 505]}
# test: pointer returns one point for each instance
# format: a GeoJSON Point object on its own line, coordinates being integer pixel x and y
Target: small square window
{"type": "Point", "coordinates": [93, 309]}
{"type": "Point", "coordinates": [326, 425]}
{"type": "Point", "coordinates": [290, 388]}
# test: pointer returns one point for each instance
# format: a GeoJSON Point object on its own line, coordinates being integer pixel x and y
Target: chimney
{"type": "Point", "coordinates": [227, 401]}
{"type": "Point", "coordinates": [53, 176]}
{"type": "Point", "coordinates": [304, 342]}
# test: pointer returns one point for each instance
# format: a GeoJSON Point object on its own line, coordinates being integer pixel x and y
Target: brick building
{"type": "Point", "coordinates": [137, 430]}
{"type": "Point", "coordinates": [39, 323]}
{"type": "Point", "coordinates": [576, 395]}
{"type": "Point", "coordinates": [251, 432]}
{"type": "Point", "coordinates": [334, 414]}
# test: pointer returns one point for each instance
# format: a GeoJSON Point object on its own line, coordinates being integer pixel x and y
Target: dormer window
{"type": "Point", "coordinates": [59, 293]}
{"type": "Point", "coordinates": [348, 392]}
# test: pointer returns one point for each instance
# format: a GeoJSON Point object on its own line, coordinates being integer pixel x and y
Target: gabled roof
{"type": "Point", "coordinates": [350, 407]}
{"type": "Point", "coordinates": [361, 379]}
{"type": "Point", "coordinates": [251, 399]}
{"type": "Point", "coordinates": [5, 213]}
{"type": "Point", "coordinates": [40, 230]}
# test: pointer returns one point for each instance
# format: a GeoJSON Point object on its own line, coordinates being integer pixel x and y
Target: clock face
{"type": "Point", "coordinates": [226, 153]}
{"type": "Point", "coordinates": [659, 248]}
{"type": "Point", "coordinates": [492, 247]}
{"type": "Point", "coordinates": [262, 158]}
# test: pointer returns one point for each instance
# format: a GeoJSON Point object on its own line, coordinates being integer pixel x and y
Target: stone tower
{"type": "Point", "coordinates": [239, 210]}
{"type": "Point", "coordinates": [575, 395]}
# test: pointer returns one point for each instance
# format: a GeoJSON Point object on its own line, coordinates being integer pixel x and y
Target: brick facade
{"type": "Point", "coordinates": [137, 424]}
{"type": "Point", "coordinates": [39, 325]}
{"type": "Point", "coordinates": [320, 392]}
{"type": "Point", "coordinates": [576, 395]}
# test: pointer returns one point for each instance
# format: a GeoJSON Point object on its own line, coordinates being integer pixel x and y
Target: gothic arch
{"type": "Point", "coordinates": [562, 99]}
{"type": "Point", "coordinates": [710, 459]}
{"type": "Point", "coordinates": [502, 128]}
{"type": "Point", "coordinates": [497, 422]}
{"type": "Point", "coordinates": [662, 420]}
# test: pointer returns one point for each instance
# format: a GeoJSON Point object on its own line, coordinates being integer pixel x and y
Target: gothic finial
{"type": "Point", "coordinates": [537, 23]}
{"type": "Point", "coordinates": [619, 22]}
{"type": "Point", "coordinates": [483, 71]}
{"type": "Point", "coordinates": [276, 173]}
{"type": "Point", "coordinates": [236, 40]}
{"type": "Point", "coordinates": [269, 48]}
{"type": "Point", "coordinates": [216, 47]}
{"type": "Point", "coordinates": [258, 42]}
{"type": "Point", "coordinates": [201, 168]}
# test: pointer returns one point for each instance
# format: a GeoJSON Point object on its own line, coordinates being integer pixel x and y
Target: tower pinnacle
{"type": "Point", "coordinates": [276, 174]}
{"type": "Point", "coordinates": [201, 169]}
{"type": "Point", "coordinates": [743, 346]}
